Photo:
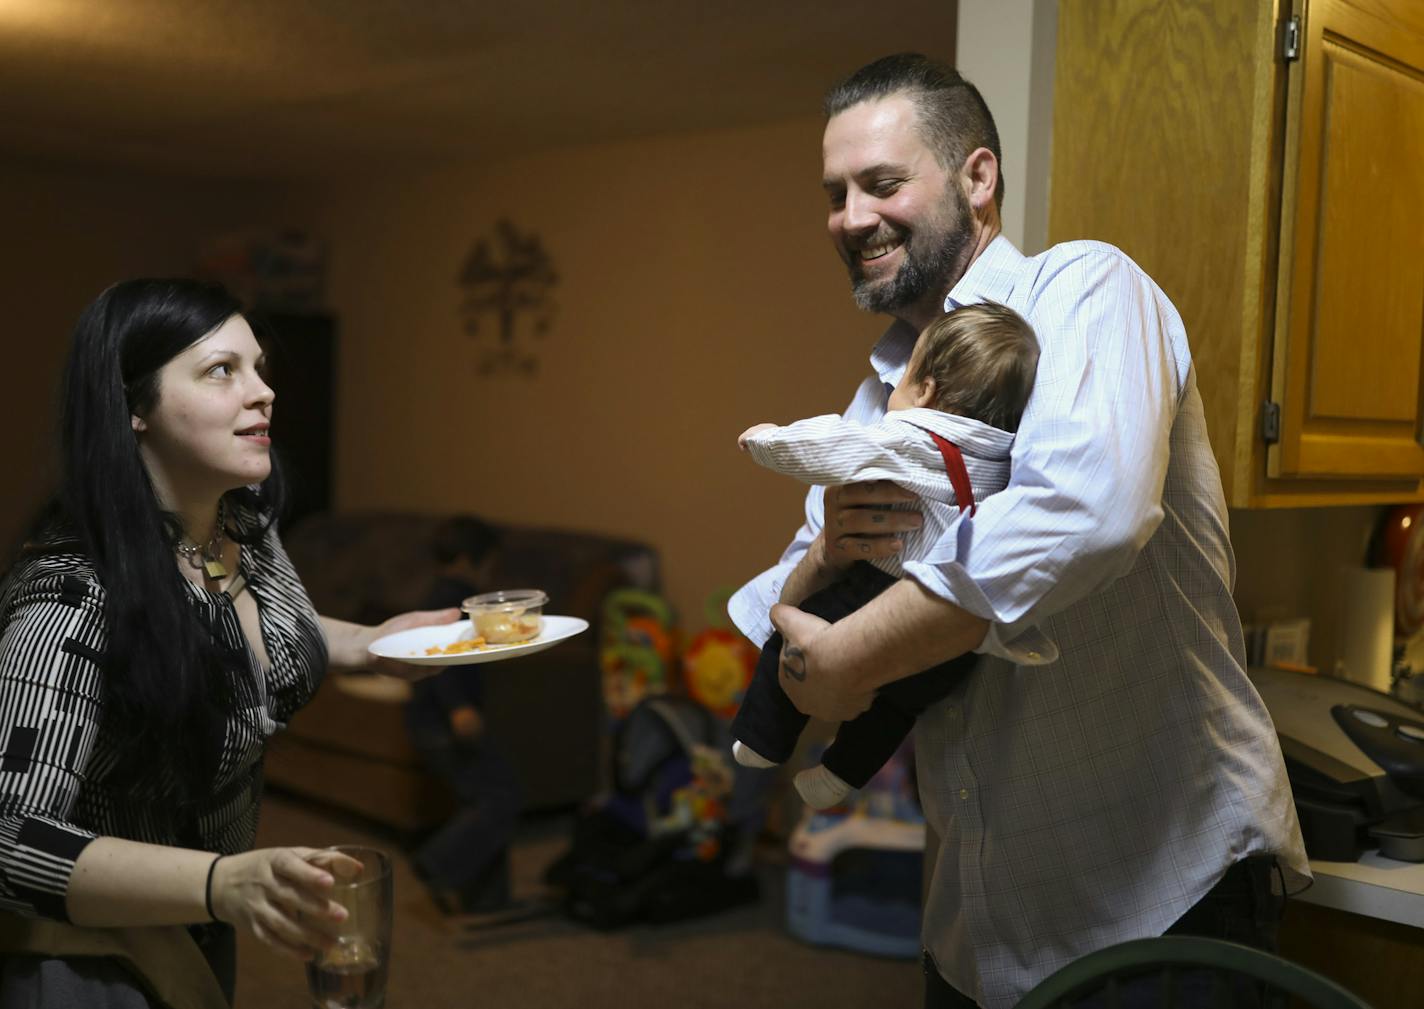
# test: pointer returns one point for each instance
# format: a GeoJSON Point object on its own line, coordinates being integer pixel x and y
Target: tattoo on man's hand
{"type": "Point", "coordinates": [877, 517]}
{"type": "Point", "coordinates": [794, 660]}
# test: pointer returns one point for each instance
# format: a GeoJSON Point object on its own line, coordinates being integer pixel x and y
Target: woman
{"type": "Point", "coordinates": [153, 634]}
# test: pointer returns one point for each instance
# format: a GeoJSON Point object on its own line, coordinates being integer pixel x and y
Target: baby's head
{"type": "Point", "coordinates": [977, 361]}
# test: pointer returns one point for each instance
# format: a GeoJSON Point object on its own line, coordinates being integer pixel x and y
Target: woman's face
{"type": "Point", "coordinates": [208, 431]}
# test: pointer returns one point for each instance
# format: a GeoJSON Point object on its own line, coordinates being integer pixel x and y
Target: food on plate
{"type": "Point", "coordinates": [506, 628]}
{"type": "Point", "coordinates": [458, 647]}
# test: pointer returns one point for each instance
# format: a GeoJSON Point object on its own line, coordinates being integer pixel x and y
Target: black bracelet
{"type": "Point", "coordinates": [208, 888]}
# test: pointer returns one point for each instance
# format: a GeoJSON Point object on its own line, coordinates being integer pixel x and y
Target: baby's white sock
{"type": "Point", "coordinates": [820, 788]}
{"type": "Point", "coordinates": [747, 757]}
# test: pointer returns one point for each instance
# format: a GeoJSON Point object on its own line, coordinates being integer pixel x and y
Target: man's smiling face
{"type": "Point", "coordinates": [898, 218]}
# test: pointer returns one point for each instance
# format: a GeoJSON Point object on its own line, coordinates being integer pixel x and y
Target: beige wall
{"type": "Point", "coordinates": [1288, 563]}
{"type": "Point", "coordinates": [698, 295]}
{"type": "Point", "coordinates": [1007, 49]}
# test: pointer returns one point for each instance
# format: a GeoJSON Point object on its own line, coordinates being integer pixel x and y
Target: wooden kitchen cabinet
{"type": "Point", "coordinates": [1380, 961]}
{"type": "Point", "coordinates": [1264, 163]}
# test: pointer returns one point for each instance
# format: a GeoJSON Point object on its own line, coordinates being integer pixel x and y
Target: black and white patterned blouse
{"type": "Point", "coordinates": [55, 753]}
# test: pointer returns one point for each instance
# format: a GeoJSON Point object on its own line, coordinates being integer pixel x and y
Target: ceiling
{"type": "Point", "coordinates": [321, 88]}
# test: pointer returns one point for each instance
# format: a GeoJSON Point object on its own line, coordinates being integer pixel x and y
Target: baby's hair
{"type": "Point", "coordinates": [982, 358]}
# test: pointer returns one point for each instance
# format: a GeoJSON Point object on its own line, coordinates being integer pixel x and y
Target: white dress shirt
{"type": "Point", "coordinates": [1108, 760]}
{"type": "Point", "coordinates": [830, 450]}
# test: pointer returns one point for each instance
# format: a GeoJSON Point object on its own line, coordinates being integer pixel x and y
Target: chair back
{"type": "Point", "coordinates": [1161, 970]}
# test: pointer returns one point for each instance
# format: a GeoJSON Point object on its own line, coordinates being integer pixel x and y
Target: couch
{"type": "Point", "coordinates": [348, 747]}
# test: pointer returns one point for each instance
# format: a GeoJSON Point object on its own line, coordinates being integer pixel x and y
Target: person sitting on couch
{"type": "Point", "coordinates": [465, 863]}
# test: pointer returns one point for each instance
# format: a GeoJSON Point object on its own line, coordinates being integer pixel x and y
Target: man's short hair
{"type": "Point", "coordinates": [983, 359]}
{"type": "Point", "coordinates": [951, 114]}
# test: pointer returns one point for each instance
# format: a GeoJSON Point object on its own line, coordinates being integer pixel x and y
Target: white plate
{"type": "Point", "coordinates": [409, 646]}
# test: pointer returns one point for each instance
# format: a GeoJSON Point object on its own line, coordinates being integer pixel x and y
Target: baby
{"type": "Point", "coordinates": [946, 437]}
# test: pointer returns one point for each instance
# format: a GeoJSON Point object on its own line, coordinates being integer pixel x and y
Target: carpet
{"type": "Point", "coordinates": [742, 958]}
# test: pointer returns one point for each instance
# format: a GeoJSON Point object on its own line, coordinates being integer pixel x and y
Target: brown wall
{"type": "Point", "coordinates": [1288, 562]}
{"type": "Point", "coordinates": [698, 295]}
{"type": "Point", "coordinates": [69, 233]}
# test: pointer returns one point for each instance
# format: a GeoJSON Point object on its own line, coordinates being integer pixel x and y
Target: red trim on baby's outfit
{"type": "Point", "coordinates": [958, 475]}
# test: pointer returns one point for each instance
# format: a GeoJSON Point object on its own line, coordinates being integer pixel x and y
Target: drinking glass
{"type": "Point", "coordinates": [351, 973]}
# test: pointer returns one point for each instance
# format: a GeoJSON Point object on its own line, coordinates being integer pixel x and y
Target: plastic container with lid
{"type": "Point", "coordinates": [507, 617]}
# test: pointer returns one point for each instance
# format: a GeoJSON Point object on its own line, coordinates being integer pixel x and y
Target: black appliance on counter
{"type": "Point", "coordinates": [1355, 758]}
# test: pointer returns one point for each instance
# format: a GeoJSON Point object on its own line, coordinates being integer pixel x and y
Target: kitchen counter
{"type": "Point", "coordinates": [1375, 886]}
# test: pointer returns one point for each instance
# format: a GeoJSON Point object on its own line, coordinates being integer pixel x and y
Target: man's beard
{"type": "Point", "coordinates": [930, 256]}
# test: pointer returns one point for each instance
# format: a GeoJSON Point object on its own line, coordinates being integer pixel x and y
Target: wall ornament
{"type": "Point", "coordinates": [507, 301]}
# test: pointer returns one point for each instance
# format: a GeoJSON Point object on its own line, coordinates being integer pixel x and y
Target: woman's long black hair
{"type": "Point", "coordinates": [170, 684]}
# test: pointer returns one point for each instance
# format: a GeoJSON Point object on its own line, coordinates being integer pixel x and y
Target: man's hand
{"type": "Point", "coordinates": [755, 428]}
{"type": "Point", "coordinates": [860, 525]}
{"type": "Point", "coordinates": [808, 673]}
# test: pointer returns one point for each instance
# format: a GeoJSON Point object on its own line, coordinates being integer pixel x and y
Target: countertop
{"type": "Point", "coordinates": [1375, 886]}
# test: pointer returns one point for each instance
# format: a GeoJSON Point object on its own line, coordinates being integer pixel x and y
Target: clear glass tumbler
{"type": "Point", "coordinates": [351, 973]}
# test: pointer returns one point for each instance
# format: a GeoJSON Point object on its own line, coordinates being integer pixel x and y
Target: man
{"type": "Point", "coordinates": [1107, 772]}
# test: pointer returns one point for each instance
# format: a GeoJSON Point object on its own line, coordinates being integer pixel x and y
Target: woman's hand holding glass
{"type": "Point", "coordinates": [281, 896]}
